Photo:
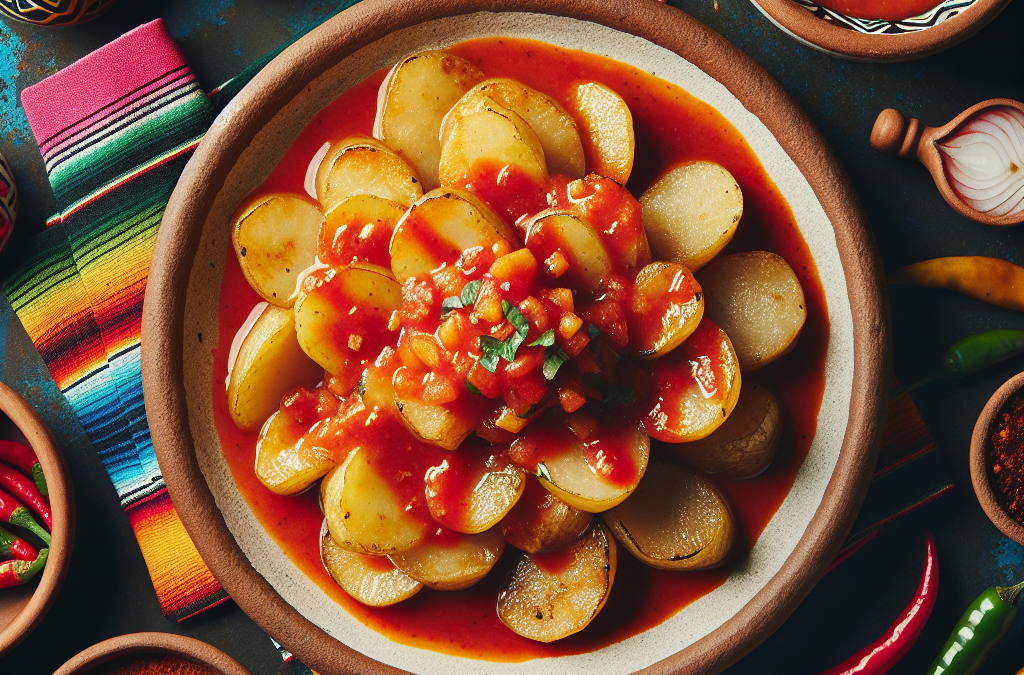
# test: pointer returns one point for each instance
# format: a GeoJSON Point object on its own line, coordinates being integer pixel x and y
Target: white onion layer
{"type": "Point", "coordinates": [984, 161]}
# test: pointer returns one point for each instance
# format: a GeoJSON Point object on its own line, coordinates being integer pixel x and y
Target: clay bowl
{"type": "Point", "coordinates": [23, 607]}
{"type": "Point", "coordinates": [983, 429]}
{"type": "Point", "coordinates": [180, 325]}
{"type": "Point", "coordinates": [151, 644]}
{"type": "Point", "coordinates": [942, 27]}
{"type": "Point", "coordinates": [895, 134]}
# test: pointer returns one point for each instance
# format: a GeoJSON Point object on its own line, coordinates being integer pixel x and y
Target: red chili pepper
{"type": "Point", "coordinates": [17, 572]}
{"type": "Point", "coordinates": [25, 490]}
{"type": "Point", "coordinates": [22, 457]}
{"type": "Point", "coordinates": [885, 652]}
{"type": "Point", "coordinates": [12, 511]}
{"type": "Point", "coordinates": [13, 546]}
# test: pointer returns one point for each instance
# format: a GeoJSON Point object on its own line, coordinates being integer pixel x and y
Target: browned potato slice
{"type": "Point", "coordinates": [593, 473]}
{"type": "Point", "coordinates": [540, 521]}
{"type": "Point", "coordinates": [485, 134]}
{"type": "Point", "coordinates": [284, 463]}
{"type": "Point", "coordinates": [552, 595]}
{"type": "Point", "coordinates": [676, 520]}
{"type": "Point", "coordinates": [607, 130]}
{"type": "Point", "coordinates": [275, 239]}
{"type": "Point", "coordinates": [435, 424]}
{"type": "Point", "coordinates": [756, 298]}
{"type": "Point", "coordinates": [268, 363]}
{"type": "Point", "coordinates": [695, 387]}
{"type": "Point", "coordinates": [691, 213]}
{"type": "Point", "coordinates": [745, 443]}
{"type": "Point", "coordinates": [553, 231]}
{"type": "Point", "coordinates": [362, 166]}
{"type": "Point", "coordinates": [372, 580]}
{"type": "Point", "coordinates": [452, 561]}
{"type": "Point", "coordinates": [374, 516]}
{"type": "Point", "coordinates": [468, 493]}
{"type": "Point", "coordinates": [359, 229]}
{"type": "Point", "coordinates": [556, 130]}
{"type": "Point", "coordinates": [328, 329]}
{"type": "Point", "coordinates": [414, 98]}
{"type": "Point", "coordinates": [666, 307]}
{"type": "Point", "coordinates": [331, 488]}
{"type": "Point", "coordinates": [439, 227]}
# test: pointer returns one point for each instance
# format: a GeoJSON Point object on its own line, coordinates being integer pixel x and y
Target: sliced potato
{"type": "Point", "coordinates": [269, 363]}
{"type": "Point", "coordinates": [540, 521]}
{"type": "Point", "coordinates": [592, 472]}
{"type": "Point", "coordinates": [694, 387]}
{"type": "Point", "coordinates": [552, 595]}
{"type": "Point", "coordinates": [666, 307]}
{"type": "Point", "coordinates": [439, 227]}
{"type": "Point", "coordinates": [691, 213]}
{"type": "Point", "coordinates": [575, 240]}
{"type": "Point", "coordinates": [341, 316]}
{"type": "Point", "coordinates": [275, 239]}
{"type": "Point", "coordinates": [606, 127]}
{"type": "Point", "coordinates": [284, 463]}
{"type": "Point", "coordinates": [362, 166]}
{"type": "Point", "coordinates": [374, 515]}
{"type": "Point", "coordinates": [372, 580]}
{"type": "Point", "coordinates": [414, 98]}
{"type": "Point", "coordinates": [471, 492]}
{"type": "Point", "coordinates": [756, 298]}
{"type": "Point", "coordinates": [745, 443]}
{"type": "Point", "coordinates": [359, 229]}
{"type": "Point", "coordinates": [675, 520]}
{"type": "Point", "coordinates": [484, 136]}
{"type": "Point", "coordinates": [331, 489]}
{"type": "Point", "coordinates": [555, 128]}
{"type": "Point", "coordinates": [451, 561]}
{"type": "Point", "coordinates": [443, 426]}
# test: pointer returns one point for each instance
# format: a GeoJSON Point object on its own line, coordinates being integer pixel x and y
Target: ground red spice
{"type": "Point", "coordinates": [1005, 458]}
{"type": "Point", "coordinates": [152, 665]}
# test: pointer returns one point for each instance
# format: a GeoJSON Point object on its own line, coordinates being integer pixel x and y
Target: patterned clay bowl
{"type": "Point", "coordinates": [23, 607]}
{"type": "Point", "coordinates": [983, 428]}
{"type": "Point", "coordinates": [122, 649]}
{"type": "Point", "coordinates": [948, 23]}
{"type": "Point", "coordinates": [180, 326]}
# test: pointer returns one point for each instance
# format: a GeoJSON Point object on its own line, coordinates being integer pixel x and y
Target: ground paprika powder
{"type": "Point", "coordinates": [1005, 459]}
{"type": "Point", "coordinates": [153, 665]}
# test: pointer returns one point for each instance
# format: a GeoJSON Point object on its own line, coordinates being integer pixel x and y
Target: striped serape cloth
{"type": "Point", "coordinates": [115, 129]}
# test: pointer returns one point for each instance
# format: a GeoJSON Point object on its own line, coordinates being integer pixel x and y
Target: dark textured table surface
{"type": "Point", "coordinates": [108, 591]}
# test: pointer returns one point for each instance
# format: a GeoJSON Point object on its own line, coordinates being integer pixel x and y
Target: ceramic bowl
{"type": "Point", "coordinates": [180, 325]}
{"type": "Point", "coordinates": [23, 607]}
{"type": "Point", "coordinates": [151, 644]}
{"type": "Point", "coordinates": [945, 25]}
{"type": "Point", "coordinates": [983, 429]}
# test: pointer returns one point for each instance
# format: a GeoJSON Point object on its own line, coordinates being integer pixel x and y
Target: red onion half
{"type": "Point", "coordinates": [984, 161]}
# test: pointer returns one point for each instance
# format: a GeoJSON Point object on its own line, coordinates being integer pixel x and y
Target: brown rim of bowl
{"type": "Point", "coordinates": [1006, 523]}
{"type": "Point", "coordinates": [62, 506]}
{"type": "Point", "coordinates": [283, 79]}
{"type": "Point", "coordinates": [805, 27]}
{"type": "Point", "coordinates": [151, 643]}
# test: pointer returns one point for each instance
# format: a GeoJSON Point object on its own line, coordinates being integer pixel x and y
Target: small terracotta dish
{"type": "Point", "coordinates": [983, 428]}
{"type": "Point", "coordinates": [946, 24]}
{"type": "Point", "coordinates": [180, 329]}
{"type": "Point", "coordinates": [23, 607]}
{"type": "Point", "coordinates": [123, 649]}
{"type": "Point", "coordinates": [999, 123]}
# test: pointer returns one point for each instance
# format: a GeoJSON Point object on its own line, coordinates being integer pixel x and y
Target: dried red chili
{"type": "Point", "coordinates": [153, 665]}
{"type": "Point", "coordinates": [1005, 458]}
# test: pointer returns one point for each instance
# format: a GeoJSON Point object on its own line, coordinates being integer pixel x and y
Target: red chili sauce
{"type": "Point", "coordinates": [671, 127]}
{"type": "Point", "coordinates": [886, 10]}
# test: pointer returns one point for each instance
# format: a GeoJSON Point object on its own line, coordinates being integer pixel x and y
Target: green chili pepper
{"type": "Point", "coordinates": [977, 633]}
{"type": "Point", "coordinates": [982, 350]}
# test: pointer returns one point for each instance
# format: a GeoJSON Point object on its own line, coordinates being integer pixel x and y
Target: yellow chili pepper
{"type": "Point", "coordinates": [992, 280]}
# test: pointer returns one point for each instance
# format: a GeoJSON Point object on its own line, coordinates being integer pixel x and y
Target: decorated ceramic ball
{"type": "Point", "coordinates": [53, 12]}
{"type": "Point", "coordinates": [8, 202]}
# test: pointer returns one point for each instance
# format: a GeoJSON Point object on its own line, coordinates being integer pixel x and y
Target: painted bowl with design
{"type": "Point", "coordinates": [182, 333]}
{"type": "Point", "coordinates": [53, 12]}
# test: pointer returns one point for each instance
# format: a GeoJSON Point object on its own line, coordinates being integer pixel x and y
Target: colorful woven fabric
{"type": "Point", "coordinates": [115, 130]}
{"type": "Point", "coordinates": [8, 202]}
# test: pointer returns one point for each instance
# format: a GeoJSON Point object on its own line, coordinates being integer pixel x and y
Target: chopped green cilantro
{"type": "Point", "coordinates": [546, 339]}
{"type": "Point", "coordinates": [553, 360]}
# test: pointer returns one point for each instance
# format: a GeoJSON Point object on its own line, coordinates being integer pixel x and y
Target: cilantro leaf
{"type": "Point", "coordinates": [450, 304]}
{"type": "Point", "coordinates": [489, 362]}
{"type": "Point", "coordinates": [472, 389]}
{"type": "Point", "coordinates": [469, 293]}
{"type": "Point", "coordinates": [534, 409]}
{"type": "Point", "coordinates": [611, 393]}
{"type": "Point", "coordinates": [546, 339]}
{"type": "Point", "coordinates": [593, 331]}
{"type": "Point", "coordinates": [515, 318]}
{"type": "Point", "coordinates": [553, 360]}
